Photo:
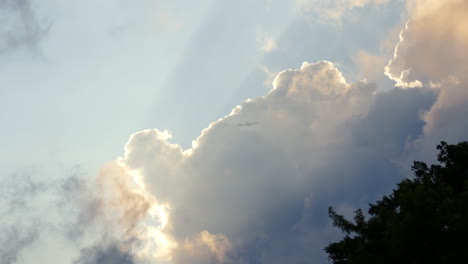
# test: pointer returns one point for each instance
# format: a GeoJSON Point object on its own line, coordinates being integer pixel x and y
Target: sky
{"type": "Point", "coordinates": [215, 131]}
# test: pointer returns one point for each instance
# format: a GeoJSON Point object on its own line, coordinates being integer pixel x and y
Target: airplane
{"type": "Point", "coordinates": [246, 124]}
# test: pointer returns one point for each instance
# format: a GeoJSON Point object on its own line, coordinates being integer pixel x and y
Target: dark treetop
{"type": "Point", "coordinates": [424, 220]}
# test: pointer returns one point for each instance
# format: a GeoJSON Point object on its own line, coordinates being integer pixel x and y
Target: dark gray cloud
{"type": "Point", "coordinates": [17, 189]}
{"type": "Point", "coordinates": [21, 25]}
{"type": "Point", "coordinates": [13, 241]}
{"type": "Point", "coordinates": [31, 204]}
{"type": "Point", "coordinates": [99, 254]}
{"type": "Point", "coordinates": [18, 229]}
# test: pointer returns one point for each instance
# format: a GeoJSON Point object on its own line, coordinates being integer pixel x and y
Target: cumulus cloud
{"type": "Point", "coordinates": [243, 188]}
{"type": "Point", "coordinates": [431, 29]}
{"type": "Point", "coordinates": [432, 53]}
{"type": "Point", "coordinates": [21, 26]}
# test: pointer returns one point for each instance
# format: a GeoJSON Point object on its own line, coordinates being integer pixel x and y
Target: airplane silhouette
{"type": "Point", "coordinates": [245, 124]}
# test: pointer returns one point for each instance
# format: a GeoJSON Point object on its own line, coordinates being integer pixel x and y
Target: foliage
{"type": "Point", "coordinates": [424, 220]}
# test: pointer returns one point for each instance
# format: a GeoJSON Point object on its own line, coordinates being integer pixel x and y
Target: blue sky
{"type": "Point", "coordinates": [121, 122]}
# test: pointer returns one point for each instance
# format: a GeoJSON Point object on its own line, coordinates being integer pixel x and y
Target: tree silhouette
{"type": "Point", "coordinates": [424, 220]}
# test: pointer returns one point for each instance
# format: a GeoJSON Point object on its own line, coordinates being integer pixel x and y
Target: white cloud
{"type": "Point", "coordinates": [315, 134]}
{"type": "Point", "coordinates": [432, 44]}
{"type": "Point", "coordinates": [432, 53]}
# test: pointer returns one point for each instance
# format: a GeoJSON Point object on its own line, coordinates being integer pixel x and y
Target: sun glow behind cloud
{"type": "Point", "coordinates": [155, 244]}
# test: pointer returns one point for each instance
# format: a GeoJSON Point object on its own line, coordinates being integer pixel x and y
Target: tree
{"type": "Point", "coordinates": [424, 220]}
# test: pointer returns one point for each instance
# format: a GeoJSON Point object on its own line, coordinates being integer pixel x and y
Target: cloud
{"type": "Point", "coordinates": [20, 205]}
{"type": "Point", "coordinates": [431, 53]}
{"type": "Point", "coordinates": [266, 42]}
{"type": "Point", "coordinates": [13, 241]}
{"type": "Point", "coordinates": [430, 29]}
{"type": "Point", "coordinates": [269, 75]}
{"type": "Point", "coordinates": [334, 10]}
{"type": "Point", "coordinates": [318, 138]}
{"type": "Point", "coordinates": [370, 65]}
{"type": "Point", "coordinates": [203, 248]}
{"type": "Point", "coordinates": [21, 25]}
{"type": "Point", "coordinates": [71, 219]}
{"type": "Point", "coordinates": [109, 255]}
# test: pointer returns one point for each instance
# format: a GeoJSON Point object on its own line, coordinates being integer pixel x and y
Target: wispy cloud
{"type": "Point", "coordinates": [91, 219]}
{"type": "Point", "coordinates": [21, 26]}
{"type": "Point", "coordinates": [267, 42]}
{"type": "Point", "coordinates": [334, 10]}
